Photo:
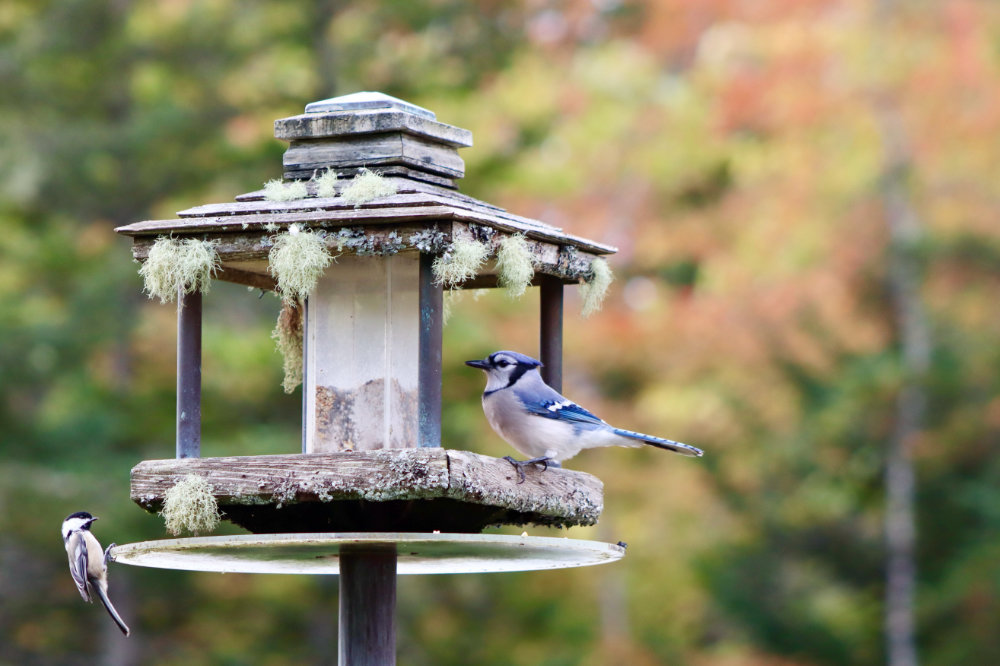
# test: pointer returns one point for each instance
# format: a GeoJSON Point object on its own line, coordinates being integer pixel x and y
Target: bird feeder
{"type": "Point", "coordinates": [373, 492]}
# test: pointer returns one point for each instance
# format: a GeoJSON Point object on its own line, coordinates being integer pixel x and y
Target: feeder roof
{"type": "Point", "coordinates": [414, 202]}
{"type": "Point", "coordinates": [342, 137]}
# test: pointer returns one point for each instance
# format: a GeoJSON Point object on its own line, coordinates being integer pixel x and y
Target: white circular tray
{"type": "Point", "coordinates": [319, 553]}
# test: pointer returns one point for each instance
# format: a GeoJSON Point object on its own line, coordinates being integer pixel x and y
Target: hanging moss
{"type": "Point", "coordinates": [279, 190]}
{"type": "Point", "coordinates": [174, 264]}
{"type": "Point", "coordinates": [190, 506]}
{"type": "Point", "coordinates": [367, 186]}
{"type": "Point", "coordinates": [287, 336]}
{"type": "Point", "coordinates": [326, 183]}
{"type": "Point", "coordinates": [595, 286]}
{"type": "Point", "coordinates": [462, 262]}
{"type": "Point", "coordinates": [297, 260]}
{"type": "Point", "coordinates": [515, 265]}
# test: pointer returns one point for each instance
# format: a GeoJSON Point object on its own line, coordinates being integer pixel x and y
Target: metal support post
{"type": "Point", "coordinates": [367, 634]}
{"type": "Point", "coordinates": [188, 374]}
{"type": "Point", "coordinates": [550, 343]}
{"type": "Point", "coordinates": [431, 326]}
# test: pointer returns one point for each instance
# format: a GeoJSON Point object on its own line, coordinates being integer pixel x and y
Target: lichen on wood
{"type": "Point", "coordinates": [297, 260]}
{"type": "Point", "coordinates": [279, 190]}
{"type": "Point", "coordinates": [595, 286]}
{"type": "Point", "coordinates": [177, 264]}
{"type": "Point", "coordinates": [189, 505]}
{"type": "Point", "coordinates": [287, 336]}
{"type": "Point", "coordinates": [515, 265]}
{"type": "Point", "coordinates": [459, 263]}
{"type": "Point", "coordinates": [326, 183]}
{"type": "Point", "coordinates": [367, 186]}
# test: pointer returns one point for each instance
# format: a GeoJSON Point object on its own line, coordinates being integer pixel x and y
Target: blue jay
{"type": "Point", "coordinates": [533, 418]}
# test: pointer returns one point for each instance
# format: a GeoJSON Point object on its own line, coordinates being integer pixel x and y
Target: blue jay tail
{"type": "Point", "coordinates": [660, 443]}
{"type": "Point", "coordinates": [111, 609]}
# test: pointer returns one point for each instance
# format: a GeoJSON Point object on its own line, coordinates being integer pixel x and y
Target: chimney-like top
{"type": "Point", "coordinates": [372, 130]}
{"type": "Point", "coordinates": [367, 100]}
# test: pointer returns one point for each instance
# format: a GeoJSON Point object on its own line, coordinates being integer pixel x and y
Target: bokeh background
{"type": "Point", "coordinates": [805, 199]}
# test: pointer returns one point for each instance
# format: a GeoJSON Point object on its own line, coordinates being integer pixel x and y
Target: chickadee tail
{"type": "Point", "coordinates": [660, 443]}
{"type": "Point", "coordinates": [103, 595]}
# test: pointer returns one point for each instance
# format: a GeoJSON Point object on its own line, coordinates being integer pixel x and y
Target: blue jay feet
{"type": "Point", "coordinates": [519, 465]}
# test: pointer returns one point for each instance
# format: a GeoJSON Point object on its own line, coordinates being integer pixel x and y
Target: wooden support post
{"type": "Point", "coordinates": [188, 374]}
{"type": "Point", "coordinates": [431, 327]}
{"type": "Point", "coordinates": [367, 634]}
{"type": "Point", "coordinates": [550, 345]}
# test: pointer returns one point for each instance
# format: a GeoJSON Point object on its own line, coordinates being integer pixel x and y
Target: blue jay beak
{"type": "Point", "coordinates": [482, 365]}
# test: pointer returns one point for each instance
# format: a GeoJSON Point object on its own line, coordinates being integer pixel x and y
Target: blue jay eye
{"type": "Point", "coordinates": [502, 363]}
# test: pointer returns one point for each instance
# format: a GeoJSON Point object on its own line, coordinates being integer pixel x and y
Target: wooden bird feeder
{"type": "Point", "coordinates": [372, 461]}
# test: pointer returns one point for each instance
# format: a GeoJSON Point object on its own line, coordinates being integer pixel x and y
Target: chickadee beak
{"type": "Point", "coordinates": [482, 365]}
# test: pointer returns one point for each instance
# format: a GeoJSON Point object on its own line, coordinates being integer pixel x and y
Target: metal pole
{"type": "Point", "coordinates": [304, 304]}
{"type": "Point", "coordinates": [188, 374]}
{"type": "Point", "coordinates": [431, 326]}
{"type": "Point", "coordinates": [550, 344]}
{"type": "Point", "coordinates": [367, 634]}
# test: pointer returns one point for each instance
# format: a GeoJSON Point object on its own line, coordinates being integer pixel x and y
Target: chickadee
{"type": "Point", "coordinates": [88, 566]}
{"type": "Point", "coordinates": [533, 418]}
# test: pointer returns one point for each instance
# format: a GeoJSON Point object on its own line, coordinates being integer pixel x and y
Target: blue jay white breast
{"type": "Point", "coordinates": [539, 422]}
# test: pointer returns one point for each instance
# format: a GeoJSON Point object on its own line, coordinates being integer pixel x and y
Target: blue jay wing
{"type": "Point", "coordinates": [565, 410]}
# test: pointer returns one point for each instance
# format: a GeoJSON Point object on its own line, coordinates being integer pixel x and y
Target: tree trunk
{"type": "Point", "coordinates": [912, 330]}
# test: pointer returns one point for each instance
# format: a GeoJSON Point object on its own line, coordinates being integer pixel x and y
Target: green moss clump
{"type": "Point", "coordinates": [297, 260]}
{"type": "Point", "coordinates": [190, 506]}
{"type": "Point", "coordinates": [326, 183]}
{"type": "Point", "coordinates": [595, 286]}
{"type": "Point", "coordinates": [279, 190]}
{"type": "Point", "coordinates": [515, 265]}
{"type": "Point", "coordinates": [462, 262]}
{"type": "Point", "coordinates": [367, 186]}
{"type": "Point", "coordinates": [174, 264]}
{"type": "Point", "coordinates": [287, 336]}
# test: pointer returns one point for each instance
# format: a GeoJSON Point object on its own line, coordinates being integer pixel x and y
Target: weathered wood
{"type": "Point", "coordinates": [411, 176]}
{"type": "Point", "coordinates": [244, 254]}
{"type": "Point", "coordinates": [322, 125]}
{"type": "Point", "coordinates": [262, 216]}
{"type": "Point", "coordinates": [375, 150]}
{"type": "Point", "coordinates": [248, 278]}
{"type": "Point", "coordinates": [422, 489]}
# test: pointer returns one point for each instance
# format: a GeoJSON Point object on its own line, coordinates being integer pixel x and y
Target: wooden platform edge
{"type": "Point", "coordinates": [559, 495]}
